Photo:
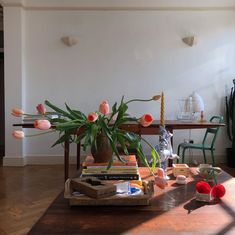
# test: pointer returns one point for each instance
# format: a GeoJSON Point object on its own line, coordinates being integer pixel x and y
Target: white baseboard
{"type": "Point", "coordinates": [14, 161]}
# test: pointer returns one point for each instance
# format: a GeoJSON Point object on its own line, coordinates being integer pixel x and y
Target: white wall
{"type": "Point", "coordinates": [133, 53]}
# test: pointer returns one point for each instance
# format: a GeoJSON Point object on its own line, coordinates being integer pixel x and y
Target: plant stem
{"type": "Point", "coordinates": [138, 100]}
{"type": "Point", "coordinates": [159, 160]}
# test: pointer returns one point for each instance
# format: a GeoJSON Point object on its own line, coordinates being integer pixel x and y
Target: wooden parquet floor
{"type": "Point", "coordinates": [26, 192]}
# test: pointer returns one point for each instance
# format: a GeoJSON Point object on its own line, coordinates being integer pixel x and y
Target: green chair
{"type": "Point", "coordinates": [208, 142]}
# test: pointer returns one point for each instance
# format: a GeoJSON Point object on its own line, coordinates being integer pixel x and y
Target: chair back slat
{"type": "Point", "coordinates": [212, 131]}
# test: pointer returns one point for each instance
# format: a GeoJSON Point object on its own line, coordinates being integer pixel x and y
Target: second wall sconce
{"type": "Point", "coordinates": [190, 41]}
{"type": "Point", "coordinates": [69, 40]}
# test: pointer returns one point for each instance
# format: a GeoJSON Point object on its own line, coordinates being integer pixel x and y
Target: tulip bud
{"type": "Point", "coordinates": [146, 120]}
{"type": "Point", "coordinates": [92, 117]}
{"type": "Point", "coordinates": [104, 107]}
{"type": "Point", "coordinates": [17, 112]}
{"type": "Point", "coordinates": [18, 134]}
{"type": "Point", "coordinates": [42, 124]}
{"type": "Point", "coordinates": [41, 109]}
{"type": "Point", "coordinates": [156, 97]}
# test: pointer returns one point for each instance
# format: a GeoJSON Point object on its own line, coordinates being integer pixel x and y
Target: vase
{"type": "Point", "coordinates": [103, 151]}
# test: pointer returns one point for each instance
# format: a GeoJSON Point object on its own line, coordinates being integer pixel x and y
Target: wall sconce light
{"type": "Point", "coordinates": [69, 40]}
{"type": "Point", "coordinates": [190, 41]}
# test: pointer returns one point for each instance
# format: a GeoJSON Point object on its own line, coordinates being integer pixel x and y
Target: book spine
{"type": "Point", "coordinates": [129, 160]}
{"type": "Point", "coordinates": [112, 167]}
{"type": "Point", "coordinates": [110, 172]}
{"type": "Point", "coordinates": [90, 164]}
{"type": "Point", "coordinates": [121, 170]}
{"type": "Point", "coordinates": [113, 176]}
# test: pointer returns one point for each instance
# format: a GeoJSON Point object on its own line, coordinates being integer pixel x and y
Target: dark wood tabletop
{"type": "Point", "coordinates": [169, 124]}
{"type": "Point", "coordinates": [173, 210]}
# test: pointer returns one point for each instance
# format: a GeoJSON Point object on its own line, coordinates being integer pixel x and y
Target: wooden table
{"type": "Point", "coordinates": [153, 129]}
{"type": "Point", "coordinates": [172, 211]}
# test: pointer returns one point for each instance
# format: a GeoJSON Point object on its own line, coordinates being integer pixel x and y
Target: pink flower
{"type": "Point", "coordinates": [104, 107]}
{"type": "Point", "coordinates": [18, 134]}
{"type": "Point", "coordinates": [146, 120]}
{"type": "Point", "coordinates": [42, 124]}
{"type": "Point", "coordinates": [41, 109]}
{"type": "Point", "coordinates": [17, 112]}
{"type": "Point", "coordinates": [218, 191]}
{"type": "Point", "coordinates": [92, 117]}
{"type": "Point", "coordinates": [203, 187]}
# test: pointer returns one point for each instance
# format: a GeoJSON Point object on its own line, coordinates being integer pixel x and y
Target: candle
{"type": "Point", "coordinates": [162, 110]}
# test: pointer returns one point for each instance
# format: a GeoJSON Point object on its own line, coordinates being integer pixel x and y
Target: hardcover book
{"type": "Point", "coordinates": [126, 170]}
{"type": "Point", "coordinates": [128, 160]}
{"type": "Point", "coordinates": [114, 176]}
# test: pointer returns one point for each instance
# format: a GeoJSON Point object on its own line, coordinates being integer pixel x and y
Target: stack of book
{"type": "Point", "coordinates": [127, 170]}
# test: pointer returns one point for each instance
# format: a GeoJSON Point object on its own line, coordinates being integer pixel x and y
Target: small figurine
{"type": "Point", "coordinates": [160, 180]}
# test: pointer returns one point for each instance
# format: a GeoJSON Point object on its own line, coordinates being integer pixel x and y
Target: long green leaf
{"type": "Point", "coordinates": [79, 138]}
{"type": "Point", "coordinates": [142, 156]}
{"type": "Point", "coordinates": [58, 110]}
{"type": "Point", "coordinates": [76, 113]}
{"type": "Point", "coordinates": [62, 139]}
{"type": "Point", "coordinates": [122, 142]}
{"type": "Point", "coordinates": [57, 120]}
{"type": "Point", "coordinates": [155, 156]}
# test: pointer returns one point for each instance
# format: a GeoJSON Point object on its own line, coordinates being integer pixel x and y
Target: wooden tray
{"type": "Point", "coordinates": [115, 200]}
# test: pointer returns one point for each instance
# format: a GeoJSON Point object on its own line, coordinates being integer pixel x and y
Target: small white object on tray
{"type": "Point", "coordinates": [181, 179]}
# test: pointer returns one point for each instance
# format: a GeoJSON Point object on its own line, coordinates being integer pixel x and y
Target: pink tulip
{"type": "Point", "coordinates": [104, 107]}
{"type": "Point", "coordinates": [18, 134]}
{"type": "Point", "coordinates": [42, 124]}
{"type": "Point", "coordinates": [41, 109]}
{"type": "Point", "coordinates": [92, 117]}
{"type": "Point", "coordinates": [17, 112]}
{"type": "Point", "coordinates": [146, 120]}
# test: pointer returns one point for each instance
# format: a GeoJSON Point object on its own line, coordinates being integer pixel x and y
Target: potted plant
{"type": "Point", "coordinates": [230, 121]}
{"type": "Point", "coordinates": [100, 130]}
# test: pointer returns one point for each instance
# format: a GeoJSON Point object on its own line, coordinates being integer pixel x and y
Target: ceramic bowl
{"type": "Point", "coordinates": [206, 169]}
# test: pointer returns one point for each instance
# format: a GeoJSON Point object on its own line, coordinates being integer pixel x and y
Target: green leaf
{"type": "Point", "coordinates": [79, 138]}
{"type": "Point", "coordinates": [122, 142]}
{"type": "Point", "coordinates": [80, 114]}
{"type": "Point", "coordinates": [86, 141]}
{"type": "Point", "coordinates": [76, 115]}
{"type": "Point", "coordinates": [155, 156]}
{"type": "Point", "coordinates": [110, 164]}
{"type": "Point", "coordinates": [115, 150]}
{"type": "Point", "coordinates": [62, 139]}
{"type": "Point", "coordinates": [123, 120]}
{"type": "Point", "coordinates": [67, 126]}
{"type": "Point", "coordinates": [93, 133]}
{"type": "Point", "coordinates": [114, 108]}
{"type": "Point", "coordinates": [58, 110]}
{"type": "Point", "coordinates": [142, 156]}
{"type": "Point", "coordinates": [57, 120]}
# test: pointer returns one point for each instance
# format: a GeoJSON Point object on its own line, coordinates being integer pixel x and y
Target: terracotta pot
{"type": "Point", "coordinates": [103, 151]}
